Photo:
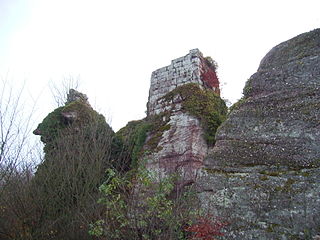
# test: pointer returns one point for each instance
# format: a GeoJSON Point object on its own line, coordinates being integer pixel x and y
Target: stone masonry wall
{"type": "Point", "coordinates": [192, 68]}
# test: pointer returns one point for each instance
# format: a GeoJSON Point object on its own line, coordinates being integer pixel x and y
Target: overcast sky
{"type": "Point", "coordinates": [112, 47]}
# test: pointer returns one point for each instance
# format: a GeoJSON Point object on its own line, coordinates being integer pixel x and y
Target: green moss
{"type": "Point", "coordinates": [287, 187]}
{"type": "Point", "coordinates": [55, 122]}
{"type": "Point", "coordinates": [247, 90]}
{"type": "Point", "coordinates": [84, 112]}
{"type": "Point", "coordinates": [256, 186]}
{"type": "Point", "coordinates": [205, 105]}
{"type": "Point", "coordinates": [51, 125]}
{"type": "Point", "coordinates": [126, 132]}
{"type": "Point", "coordinates": [216, 171]}
{"type": "Point", "coordinates": [141, 137]}
{"type": "Point", "coordinates": [154, 140]}
{"type": "Point", "coordinates": [159, 125]}
{"type": "Point", "coordinates": [273, 173]}
{"type": "Point", "coordinates": [263, 178]}
{"type": "Point", "coordinates": [134, 136]}
{"type": "Point", "coordinates": [315, 163]}
{"type": "Point", "coordinates": [237, 105]}
{"type": "Point", "coordinates": [85, 118]}
{"type": "Point", "coordinates": [271, 227]}
{"type": "Point", "coordinates": [304, 172]}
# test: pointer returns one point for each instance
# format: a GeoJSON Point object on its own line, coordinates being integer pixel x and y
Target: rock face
{"type": "Point", "coordinates": [263, 172]}
{"type": "Point", "coordinates": [182, 150]}
{"type": "Point", "coordinates": [181, 146]}
{"type": "Point", "coordinates": [277, 121]}
{"type": "Point", "coordinates": [75, 95]}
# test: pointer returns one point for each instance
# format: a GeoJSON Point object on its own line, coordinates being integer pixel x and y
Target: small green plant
{"type": "Point", "coordinates": [139, 138]}
{"type": "Point", "coordinates": [96, 229]}
{"type": "Point", "coordinates": [237, 105]}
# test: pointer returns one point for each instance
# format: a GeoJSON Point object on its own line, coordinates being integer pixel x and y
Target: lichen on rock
{"type": "Point", "coordinates": [263, 172]}
{"type": "Point", "coordinates": [277, 120]}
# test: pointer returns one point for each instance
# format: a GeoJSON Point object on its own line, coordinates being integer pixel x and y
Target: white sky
{"type": "Point", "coordinates": [113, 46]}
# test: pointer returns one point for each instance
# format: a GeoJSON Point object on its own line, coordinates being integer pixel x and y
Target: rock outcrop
{"type": "Point", "coordinates": [183, 113]}
{"type": "Point", "coordinates": [192, 117]}
{"type": "Point", "coordinates": [182, 94]}
{"type": "Point", "coordinates": [277, 121]}
{"type": "Point", "coordinates": [263, 173]}
{"type": "Point", "coordinates": [75, 115]}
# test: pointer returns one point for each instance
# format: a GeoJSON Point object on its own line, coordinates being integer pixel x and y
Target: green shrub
{"type": "Point", "coordinates": [134, 136]}
{"type": "Point", "coordinates": [140, 206]}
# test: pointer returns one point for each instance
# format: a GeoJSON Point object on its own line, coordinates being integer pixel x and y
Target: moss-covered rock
{"type": "Point", "coordinates": [142, 136]}
{"type": "Point", "coordinates": [272, 138]}
{"type": "Point", "coordinates": [276, 121]}
{"type": "Point", "coordinates": [263, 202]}
{"type": "Point", "coordinates": [50, 125]}
{"type": "Point", "coordinates": [69, 119]}
{"type": "Point", "coordinates": [204, 104]}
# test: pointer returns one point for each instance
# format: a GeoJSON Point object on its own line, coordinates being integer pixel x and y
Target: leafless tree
{"type": "Point", "coordinates": [60, 91]}
{"type": "Point", "coordinates": [16, 158]}
{"type": "Point", "coordinates": [15, 128]}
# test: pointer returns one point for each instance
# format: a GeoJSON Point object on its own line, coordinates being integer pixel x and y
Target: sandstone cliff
{"type": "Point", "coordinates": [277, 120]}
{"type": "Point", "coordinates": [263, 172]}
{"type": "Point", "coordinates": [183, 113]}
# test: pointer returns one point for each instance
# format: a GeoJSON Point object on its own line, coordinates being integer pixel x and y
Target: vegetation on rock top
{"type": "Point", "coordinates": [204, 104]}
{"type": "Point", "coordinates": [55, 123]}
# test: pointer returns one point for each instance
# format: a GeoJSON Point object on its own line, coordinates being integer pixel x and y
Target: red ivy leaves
{"type": "Point", "coordinates": [206, 228]}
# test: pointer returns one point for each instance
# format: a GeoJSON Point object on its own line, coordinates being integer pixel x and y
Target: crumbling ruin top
{"type": "Point", "coordinates": [192, 68]}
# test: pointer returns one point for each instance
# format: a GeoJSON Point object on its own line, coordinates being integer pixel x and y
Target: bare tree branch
{"type": "Point", "coordinates": [60, 91]}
